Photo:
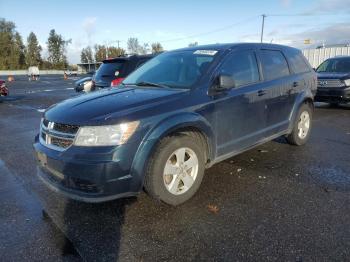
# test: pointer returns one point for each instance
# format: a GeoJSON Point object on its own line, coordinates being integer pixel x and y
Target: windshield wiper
{"type": "Point", "coordinates": [146, 83]}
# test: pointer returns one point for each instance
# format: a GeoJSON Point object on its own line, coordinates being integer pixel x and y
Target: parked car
{"type": "Point", "coordinates": [33, 73]}
{"type": "Point", "coordinates": [3, 88]}
{"type": "Point", "coordinates": [71, 72]}
{"type": "Point", "coordinates": [333, 85]}
{"type": "Point", "coordinates": [113, 71]}
{"type": "Point", "coordinates": [178, 114]}
{"type": "Point", "coordinates": [82, 84]}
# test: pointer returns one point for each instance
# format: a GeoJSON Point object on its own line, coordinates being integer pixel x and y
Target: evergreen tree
{"type": "Point", "coordinates": [19, 52]}
{"type": "Point", "coordinates": [7, 45]}
{"type": "Point", "coordinates": [56, 46]}
{"type": "Point", "coordinates": [32, 54]}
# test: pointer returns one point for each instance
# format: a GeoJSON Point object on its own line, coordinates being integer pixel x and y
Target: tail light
{"type": "Point", "coordinates": [117, 81]}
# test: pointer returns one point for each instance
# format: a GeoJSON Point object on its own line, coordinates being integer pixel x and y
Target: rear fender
{"type": "Point", "coordinates": [304, 96]}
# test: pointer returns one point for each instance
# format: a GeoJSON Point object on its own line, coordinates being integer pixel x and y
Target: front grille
{"type": "Point", "coordinates": [329, 83]}
{"type": "Point", "coordinates": [60, 142]}
{"type": "Point", "coordinates": [56, 135]}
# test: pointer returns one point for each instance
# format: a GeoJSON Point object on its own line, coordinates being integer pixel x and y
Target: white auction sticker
{"type": "Point", "coordinates": [205, 52]}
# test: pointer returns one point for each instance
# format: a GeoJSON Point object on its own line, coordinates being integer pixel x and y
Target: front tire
{"type": "Point", "coordinates": [176, 169]}
{"type": "Point", "coordinates": [302, 126]}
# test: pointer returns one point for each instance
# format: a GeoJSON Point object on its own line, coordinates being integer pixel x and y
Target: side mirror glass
{"type": "Point", "coordinates": [224, 83]}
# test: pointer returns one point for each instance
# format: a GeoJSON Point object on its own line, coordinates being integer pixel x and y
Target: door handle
{"type": "Point", "coordinates": [295, 84]}
{"type": "Point", "coordinates": [261, 92]}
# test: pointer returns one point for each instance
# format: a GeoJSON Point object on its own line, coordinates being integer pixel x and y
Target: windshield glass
{"type": "Point", "coordinates": [335, 66]}
{"type": "Point", "coordinates": [179, 69]}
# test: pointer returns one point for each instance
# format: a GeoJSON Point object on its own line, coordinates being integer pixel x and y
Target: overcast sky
{"type": "Point", "coordinates": [177, 23]}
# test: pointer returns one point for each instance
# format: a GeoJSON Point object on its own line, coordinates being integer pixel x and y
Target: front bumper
{"type": "Point", "coordinates": [333, 95]}
{"type": "Point", "coordinates": [88, 174]}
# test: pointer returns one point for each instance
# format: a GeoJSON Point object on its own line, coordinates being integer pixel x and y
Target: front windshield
{"type": "Point", "coordinates": [335, 66]}
{"type": "Point", "coordinates": [178, 69]}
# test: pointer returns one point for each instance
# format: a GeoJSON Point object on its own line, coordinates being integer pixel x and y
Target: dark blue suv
{"type": "Point", "coordinates": [175, 116]}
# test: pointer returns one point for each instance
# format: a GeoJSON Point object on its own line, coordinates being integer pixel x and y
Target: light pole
{"type": "Point", "coordinates": [262, 28]}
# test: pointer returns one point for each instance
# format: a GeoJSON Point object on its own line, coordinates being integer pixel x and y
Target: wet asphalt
{"type": "Point", "coordinates": [275, 202]}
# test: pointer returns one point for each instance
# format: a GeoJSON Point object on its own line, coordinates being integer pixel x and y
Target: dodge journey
{"type": "Point", "coordinates": [173, 117]}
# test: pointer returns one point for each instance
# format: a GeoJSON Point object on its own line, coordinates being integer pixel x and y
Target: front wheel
{"type": "Point", "coordinates": [302, 126]}
{"type": "Point", "coordinates": [176, 169]}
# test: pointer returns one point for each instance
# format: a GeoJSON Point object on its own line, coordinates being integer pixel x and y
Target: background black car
{"type": "Point", "coordinates": [113, 71]}
{"type": "Point", "coordinates": [333, 85]}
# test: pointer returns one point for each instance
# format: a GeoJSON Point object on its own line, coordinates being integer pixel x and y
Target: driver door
{"type": "Point", "coordinates": [240, 111]}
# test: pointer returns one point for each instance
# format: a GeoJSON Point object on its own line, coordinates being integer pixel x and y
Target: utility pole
{"type": "Point", "coordinates": [118, 43]}
{"type": "Point", "coordinates": [262, 28]}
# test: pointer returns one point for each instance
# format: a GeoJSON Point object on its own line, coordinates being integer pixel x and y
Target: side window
{"type": "Point", "coordinates": [242, 66]}
{"type": "Point", "coordinates": [297, 62]}
{"type": "Point", "coordinates": [274, 64]}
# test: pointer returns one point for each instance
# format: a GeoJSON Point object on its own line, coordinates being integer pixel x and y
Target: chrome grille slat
{"type": "Point", "coordinates": [52, 135]}
{"type": "Point", "coordinates": [329, 83]}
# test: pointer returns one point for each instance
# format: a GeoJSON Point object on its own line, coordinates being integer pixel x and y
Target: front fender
{"type": "Point", "coordinates": [161, 130]}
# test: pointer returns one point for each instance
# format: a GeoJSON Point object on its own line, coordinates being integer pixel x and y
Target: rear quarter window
{"type": "Point", "coordinates": [274, 64]}
{"type": "Point", "coordinates": [298, 63]}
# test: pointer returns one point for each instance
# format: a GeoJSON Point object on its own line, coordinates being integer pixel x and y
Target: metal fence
{"type": "Point", "coordinates": [317, 56]}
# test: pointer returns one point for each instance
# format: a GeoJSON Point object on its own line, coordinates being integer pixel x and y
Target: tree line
{"type": "Point", "coordinates": [100, 52]}
{"type": "Point", "coordinates": [14, 54]}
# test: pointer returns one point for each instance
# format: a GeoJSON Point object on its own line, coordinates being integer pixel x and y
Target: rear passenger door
{"type": "Point", "coordinates": [277, 90]}
{"type": "Point", "coordinates": [240, 112]}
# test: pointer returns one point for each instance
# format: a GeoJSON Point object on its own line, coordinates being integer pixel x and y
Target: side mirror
{"type": "Point", "coordinates": [224, 83]}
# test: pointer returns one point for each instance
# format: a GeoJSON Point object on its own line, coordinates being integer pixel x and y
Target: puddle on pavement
{"type": "Point", "coordinates": [334, 178]}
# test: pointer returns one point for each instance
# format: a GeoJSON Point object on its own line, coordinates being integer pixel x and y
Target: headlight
{"type": "Point", "coordinates": [105, 135]}
{"type": "Point", "coordinates": [347, 82]}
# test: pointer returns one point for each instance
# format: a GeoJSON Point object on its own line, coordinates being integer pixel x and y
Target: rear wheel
{"type": "Point", "coordinates": [302, 126]}
{"type": "Point", "coordinates": [176, 169]}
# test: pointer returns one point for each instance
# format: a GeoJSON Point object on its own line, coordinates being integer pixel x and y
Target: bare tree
{"type": "Point", "coordinates": [193, 44]}
{"type": "Point", "coordinates": [156, 48]}
{"type": "Point", "coordinates": [133, 45]}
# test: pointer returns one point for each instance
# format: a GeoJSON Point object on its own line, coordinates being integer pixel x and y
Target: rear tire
{"type": "Point", "coordinates": [302, 126]}
{"type": "Point", "coordinates": [176, 169]}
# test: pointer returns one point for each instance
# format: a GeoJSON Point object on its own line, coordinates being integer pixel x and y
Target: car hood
{"type": "Point", "coordinates": [110, 105]}
{"type": "Point", "coordinates": [327, 75]}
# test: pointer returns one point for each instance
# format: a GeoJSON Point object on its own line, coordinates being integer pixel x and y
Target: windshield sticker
{"type": "Point", "coordinates": [205, 52]}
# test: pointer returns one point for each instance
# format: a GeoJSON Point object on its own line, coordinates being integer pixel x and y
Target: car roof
{"type": "Point", "coordinates": [128, 58]}
{"type": "Point", "coordinates": [227, 46]}
{"type": "Point", "coordinates": [339, 57]}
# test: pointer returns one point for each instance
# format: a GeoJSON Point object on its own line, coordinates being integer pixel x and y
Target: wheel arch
{"type": "Point", "coordinates": [305, 97]}
{"type": "Point", "coordinates": [191, 123]}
